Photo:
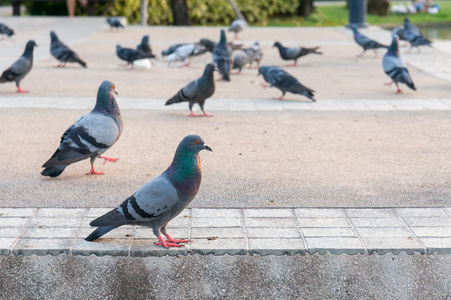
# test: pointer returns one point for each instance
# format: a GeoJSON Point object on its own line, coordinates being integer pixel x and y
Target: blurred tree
{"type": "Point", "coordinates": [180, 13]}
{"type": "Point", "coordinates": [305, 8]}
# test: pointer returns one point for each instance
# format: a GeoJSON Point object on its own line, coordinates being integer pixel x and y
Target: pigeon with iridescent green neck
{"type": "Point", "coordinates": [222, 57]}
{"type": "Point", "coordinates": [160, 200]}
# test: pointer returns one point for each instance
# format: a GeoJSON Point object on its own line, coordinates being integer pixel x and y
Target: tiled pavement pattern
{"type": "Point", "coordinates": [275, 231]}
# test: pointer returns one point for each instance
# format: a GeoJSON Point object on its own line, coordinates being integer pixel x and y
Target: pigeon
{"type": "Point", "coordinates": [144, 46]}
{"type": "Point", "coordinates": [257, 54]}
{"type": "Point", "coordinates": [237, 26]}
{"type": "Point", "coordinates": [130, 55]}
{"type": "Point", "coordinates": [185, 53]}
{"type": "Point", "coordinates": [21, 67]}
{"type": "Point", "coordinates": [197, 91]}
{"type": "Point", "coordinates": [210, 45]}
{"type": "Point", "coordinates": [293, 53]}
{"type": "Point", "coordinates": [163, 198]}
{"type": "Point", "coordinates": [241, 58]}
{"type": "Point", "coordinates": [5, 30]}
{"type": "Point", "coordinates": [365, 42]}
{"type": "Point", "coordinates": [114, 23]}
{"type": "Point", "coordinates": [171, 49]}
{"type": "Point", "coordinates": [279, 78]}
{"type": "Point", "coordinates": [222, 57]}
{"type": "Point", "coordinates": [63, 53]}
{"type": "Point", "coordinates": [395, 67]}
{"type": "Point", "coordinates": [90, 136]}
{"type": "Point", "coordinates": [414, 36]}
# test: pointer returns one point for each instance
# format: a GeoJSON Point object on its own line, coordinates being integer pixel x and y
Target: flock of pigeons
{"type": "Point", "coordinates": [164, 197]}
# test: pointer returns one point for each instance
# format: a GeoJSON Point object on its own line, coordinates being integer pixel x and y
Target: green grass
{"type": "Point", "coordinates": [337, 15]}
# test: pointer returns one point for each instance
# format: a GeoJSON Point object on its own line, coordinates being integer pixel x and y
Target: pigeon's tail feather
{"type": "Point", "coordinates": [53, 171]}
{"type": "Point", "coordinates": [2, 79]}
{"type": "Point", "coordinates": [313, 50]}
{"type": "Point", "coordinates": [175, 99]}
{"type": "Point", "coordinates": [302, 90]}
{"type": "Point", "coordinates": [411, 85]}
{"type": "Point", "coordinates": [81, 62]}
{"type": "Point", "coordinates": [100, 232]}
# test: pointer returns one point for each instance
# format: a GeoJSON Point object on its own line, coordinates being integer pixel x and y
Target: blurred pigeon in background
{"type": "Point", "coordinates": [280, 79]}
{"type": "Point", "coordinates": [222, 57]}
{"type": "Point", "coordinates": [160, 200]}
{"type": "Point", "coordinates": [414, 36]}
{"type": "Point", "coordinates": [130, 55]}
{"type": "Point", "coordinates": [237, 26]}
{"type": "Point", "coordinates": [210, 45]}
{"type": "Point", "coordinates": [90, 136]}
{"type": "Point", "coordinates": [241, 58]}
{"type": "Point", "coordinates": [21, 67]}
{"type": "Point", "coordinates": [144, 46]}
{"type": "Point", "coordinates": [185, 53]}
{"type": "Point", "coordinates": [293, 53]}
{"type": "Point", "coordinates": [5, 30]}
{"type": "Point", "coordinates": [114, 23]}
{"type": "Point", "coordinates": [171, 49]}
{"type": "Point", "coordinates": [63, 53]}
{"type": "Point", "coordinates": [365, 42]}
{"type": "Point", "coordinates": [197, 91]}
{"type": "Point", "coordinates": [257, 54]}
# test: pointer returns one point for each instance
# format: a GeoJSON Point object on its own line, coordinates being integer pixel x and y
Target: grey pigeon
{"type": "Point", "coordinates": [237, 26]}
{"type": "Point", "coordinates": [144, 46]}
{"type": "Point", "coordinates": [130, 55]}
{"type": "Point", "coordinates": [257, 54]}
{"type": "Point", "coordinates": [160, 200]}
{"type": "Point", "coordinates": [241, 58]}
{"type": "Point", "coordinates": [90, 136]}
{"type": "Point", "coordinates": [185, 53]}
{"type": "Point", "coordinates": [171, 49]}
{"type": "Point", "coordinates": [394, 67]}
{"type": "Point", "coordinates": [293, 53]}
{"type": "Point", "coordinates": [63, 53]}
{"type": "Point", "coordinates": [365, 42]}
{"type": "Point", "coordinates": [414, 36]}
{"type": "Point", "coordinates": [197, 91]}
{"type": "Point", "coordinates": [21, 67]}
{"type": "Point", "coordinates": [210, 45]}
{"type": "Point", "coordinates": [5, 30]}
{"type": "Point", "coordinates": [280, 79]}
{"type": "Point", "coordinates": [114, 22]}
{"type": "Point", "coordinates": [222, 57]}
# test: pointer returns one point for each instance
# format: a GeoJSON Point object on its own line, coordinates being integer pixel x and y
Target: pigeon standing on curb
{"type": "Point", "coordinates": [130, 55]}
{"type": "Point", "coordinates": [280, 79]}
{"type": "Point", "coordinates": [414, 36]}
{"type": "Point", "coordinates": [222, 57]}
{"type": "Point", "coordinates": [5, 30]}
{"type": "Point", "coordinates": [394, 67]}
{"type": "Point", "coordinates": [90, 136]}
{"type": "Point", "coordinates": [21, 67]}
{"type": "Point", "coordinates": [365, 42]}
{"type": "Point", "coordinates": [160, 200]}
{"type": "Point", "coordinates": [237, 26]}
{"type": "Point", "coordinates": [197, 91]}
{"type": "Point", "coordinates": [293, 53]}
{"type": "Point", "coordinates": [114, 22]}
{"type": "Point", "coordinates": [144, 46]}
{"type": "Point", "coordinates": [63, 53]}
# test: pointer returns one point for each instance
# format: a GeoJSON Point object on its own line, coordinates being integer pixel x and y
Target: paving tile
{"type": "Point", "coordinates": [71, 213]}
{"type": "Point", "coordinates": [180, 221]}
{"type": "Point", "coordinates": [10, 232]}
{"type": "Point", "coordinates": [376, 222]}
{"type": "Point", "coordinates": [13, 222]}
{"type": "Point", "coordinates": [432, 231]}
{"type": "Point", "coordinates": [54, 222]}
{"type": "Point", "coordinates": [329, 231]}
{"type": "Point", "coordinates": [34, 232]}
{"type": "Point", "coordinates": [263, 105]}
{"type": "Point", "coordinates": [326, 105]}
{"type": "Point", "coordinates": [383, 245]}
{"type": "Point", "coordinates": [147, 233]}
{"type": "Point", "coordinates": [437, 245]}
{"type": "Point", "coordinates": [334, 245]}
{"type": "Point", "coordinates": [219, 246]}
{"type": "Point", "coordinates": [118, 233]}
{"type": "Point", "coordinates": [256, 232]}
{"type": "Point", "coordinates": [147, 247]}
{"type": "Point", "coordinates": [428, 222]}
{"type": "Point", "coordinates": [379, 105]}
{"type": "Point", "coordinates": [323, 222]}
{"type": "Point", "coordinates": [17, 212]}
{"type": "Point", "coordinates": [268, 213]}
{"type": "Point", "coordinates": [42, 246]}
{"type": "Point", "coordinates": [434, 104]}
{"type": "Point", "coordinates": [5, 245]}
{"type": "Point", "coordinates": [216, 213]}
{"type": "Point", "coordinates": [387, 232]}
{"type": "Point", "coordinates": [370, 213]}
{"type": "Point", "coordinates": [279, 246]}
{"type": "Point", "coordinates": [97, 212]}
{"type": "Point", "coordinates": [421, 212]}
{"type": "Point", "coordinates": [101, 247]}
{"type": "Point", "coordinates": [228, 232]}
{"type": "Point", "coordinates": [216, 222]}
{"type": "Point", "coordinates": [297, 105]}
{"type": "Point", "coordinates": [352, 105]}
{"type": "Point", "coordinates": [270, 222]}
{"type": "Point", "coordinates": [319, 213]}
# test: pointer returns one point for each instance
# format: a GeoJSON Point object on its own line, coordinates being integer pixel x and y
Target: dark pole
{"type": "Point", "coordinates": [357, 13]}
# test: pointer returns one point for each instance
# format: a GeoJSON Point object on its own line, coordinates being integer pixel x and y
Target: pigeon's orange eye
{"type": "Point", "coordinates": [112, 86]}
{"type": "Point", "coordinates": [196, 142]}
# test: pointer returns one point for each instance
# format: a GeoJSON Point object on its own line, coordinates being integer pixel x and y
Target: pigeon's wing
{"type": "Point", "coordinates": [390, 62]}
{"type": "Point", "coordinates": [184, 51]}
{"type": "Point", "coordinates": [20, 66]}
{"type": "Point", "coordinates": [151, 201]}
{"type": "Point", "coordinates": [240, 59]}
{"type": "Point", "coordinates": [363, 41]}
{"type": "Point", "coordinates": [61, 51]}
{"type": "Point", "coordinates": [293, 52]}
{"type": "Point", "coordinates": [190, 91]}
{"type": "Point", "coordinates": [274, 75]}
{"type": "Point", "coordinates": [237, 25]}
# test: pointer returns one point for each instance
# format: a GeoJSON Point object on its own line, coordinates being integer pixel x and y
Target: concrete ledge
{"type": "Point", "coordinates": [275, 231]}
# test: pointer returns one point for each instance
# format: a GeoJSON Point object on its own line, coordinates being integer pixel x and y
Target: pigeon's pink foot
{"type": "Point", "coordinates": [171, 240]}
{"type": "Point", "coordinates": [280, 98]}
{"type": "Point", "coordinates": [193, 115]}
{"type": "Point", "coordinates": [292, 65]}
{"type": "Point", "coordinates": [94, 172]}
{"type": "Point", "coordinates": [399, 91]}
{"type": "Point", "coordinates": [185, 65]}
{"type": "Point", "coordinates": [389, 83]}
{"type": "Point", "coordinates": [166, 245]}
{"type": "Point", "coordinates": [237, 72]}
{"type": "Point", "coordinates": [19, 90]}
{"type": "Point", "coordinates": [207, 115]}
{"type": "Point", "coordinates": [110, 159]}
{"type": "Point", "coordinates": [264, 85]}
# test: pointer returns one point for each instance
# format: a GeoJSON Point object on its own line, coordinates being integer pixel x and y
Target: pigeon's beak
{"type": "Point", "coordinates": [115, 91]}
{"type": "Point", "coordinates": [207, 148]}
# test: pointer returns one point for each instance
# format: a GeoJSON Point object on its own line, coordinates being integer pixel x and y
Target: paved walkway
{"type": "Point", "coordinates": [278, 231]}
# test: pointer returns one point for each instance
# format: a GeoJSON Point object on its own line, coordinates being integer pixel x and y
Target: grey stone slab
{"type": "Point", "coordinates": [96, 212]}
{"type": "Point", "coordinates": [379, 105]}
{"type": "Point", "coordinates": [437, 245]}
{"type": "Point", "coordinates": [256, 232]}
{"type": "Point", "coordinates": [86, 224]}
{"type": "Point", "coordinates": [323, 222]}
{"type": "Point", "coordinates": [5, 245]}
{"type": "Point", "coordinates": [147, 233]}
{"type": "Point", "coordinates": [421, 212]}
{"type": "Point", "coordinates": [352, 105]}
{"type": "Point", "coordinates": [396, 245]}
{"type": "Point", "coordinates": [216, 213]}
{"type": "Point", "coordinates": [70, 213]}
{"type": "Point", "coordinates": [432, 231]}
{"type": "Point", "coordinates": [434, 104]}
{"type": "Point", "coordinates": [180, 221]}
{"type": "Point", "coordinates": [54, 222]}
{"type": "Point", "coordinates": [219, 246]}
{"type": "Point", "coordinates": [101, 247]}
{"type": "Point", "coordinates": [329, 231]}
{"type": "Point", "coordinates": [428, 222]}
{"type": "Point", "coordinates": [13, 222]}
{"type": "Point", "coordinates": [10, 232]}
{"type": "Point", "coordinates": [370, 213]}
{"type": "Point", "coordinates": [42, 246]}
{"type": "Point", "coordinates": [334, 245]}
{"type": "Point", "coordinates": [118, 233]}
{"type": "Point", "coordinates": [269, 105]}
{"type": "Point", "coordinates": [270, 222]}
{"type": "Point", "coordinates": [216, 222]}
{"type": "Point", "coordinates": [34, 232]}
{"type": "Point", "coordinates": [386, 232]}
{"type": "Point", "coordinates": [147, 247]}
{"type": "Point", "coordinates": [326, 105]}
{"type": "Point", "coordinates": [268, 213]}
{"type": "Point", "coordinates": [377, 222]}
{"type": "Point", "coordinates": [17, 212]}
{"type": "Point", "coordinates": [227, 232]}
{"type": "Point", "coordinates": [319, 213]}
{"type": "Point", "coordinates": [279, 246]}
{"type": "Point", "coordinates": [297, 105]}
